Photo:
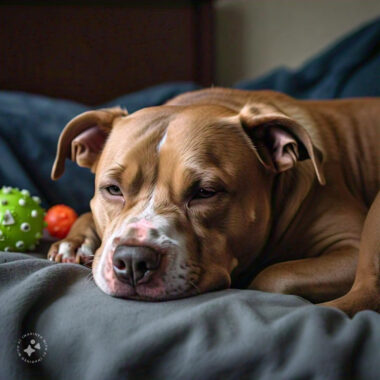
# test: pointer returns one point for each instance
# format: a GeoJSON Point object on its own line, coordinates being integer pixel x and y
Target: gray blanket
{"type": "Point", "coordinates": [231, 334]}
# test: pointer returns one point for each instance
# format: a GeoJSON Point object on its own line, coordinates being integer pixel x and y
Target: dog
{"type": "Point", "coordinates": [223, 187]}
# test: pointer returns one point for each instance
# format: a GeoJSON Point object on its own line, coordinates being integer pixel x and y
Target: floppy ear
{"type": "Point", "coordinates": [281, 142]}
{"type": "Point", "coordinates": [83, 138]}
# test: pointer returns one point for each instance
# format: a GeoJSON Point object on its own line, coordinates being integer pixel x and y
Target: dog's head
{"type": "Point", "coordinates": [182, 193]}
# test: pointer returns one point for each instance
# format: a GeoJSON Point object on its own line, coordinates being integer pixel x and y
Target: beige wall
{"type": "Point", "coordinates": [253, 36]}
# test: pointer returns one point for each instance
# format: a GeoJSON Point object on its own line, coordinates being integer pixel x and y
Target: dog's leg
{"type": "Point", "coordinates": [365, 292]}
{"type": "Point", "coordinates": [316, 279]}
{"type": "Point", "coordinates": [80, 244]}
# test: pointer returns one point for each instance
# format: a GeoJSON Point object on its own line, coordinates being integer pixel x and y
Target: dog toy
{"type": "Point", "coordinates": [21, 220]}
{"type": "Point", "coordinates": [59, 220]}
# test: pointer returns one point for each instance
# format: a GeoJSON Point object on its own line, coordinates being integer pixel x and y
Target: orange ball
{"type": "Point", "coordinates": [59, 220]}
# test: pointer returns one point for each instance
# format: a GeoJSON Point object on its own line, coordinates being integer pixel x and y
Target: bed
{"type": "Point", "coordinates": [82, 333]}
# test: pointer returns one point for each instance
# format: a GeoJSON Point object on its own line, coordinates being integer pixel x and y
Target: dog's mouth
{"type": "Point", "coordinates": [151, 294]}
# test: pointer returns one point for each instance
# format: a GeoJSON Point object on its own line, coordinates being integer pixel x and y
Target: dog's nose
{"type": "Point", "coordinates": [133, 265]}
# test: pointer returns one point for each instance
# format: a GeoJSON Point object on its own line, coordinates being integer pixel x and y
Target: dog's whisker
{"type": "Point", "coordinates": [195, 286]}
{"type": "Point", "coordinates": [89, 277]}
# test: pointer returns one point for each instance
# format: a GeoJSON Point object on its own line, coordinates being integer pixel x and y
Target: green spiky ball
{"type": "Point", "coordinates": [21, 220]}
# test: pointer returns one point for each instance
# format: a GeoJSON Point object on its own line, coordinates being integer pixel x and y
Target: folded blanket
{"type": "Point", "coordinates": [230, 334]}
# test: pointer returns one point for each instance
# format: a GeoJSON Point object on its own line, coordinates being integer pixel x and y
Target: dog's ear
{"type": "Point", "coordinates": [280, 141]}
{"type": "Point", "coordinates": [83, 138]}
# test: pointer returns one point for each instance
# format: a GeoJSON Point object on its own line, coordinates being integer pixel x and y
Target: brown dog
{"type": "Point", "coordinates": [225, 187]}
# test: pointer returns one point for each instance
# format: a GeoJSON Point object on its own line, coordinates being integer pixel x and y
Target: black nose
{"type": "Point", "coordinates": [134, 265]}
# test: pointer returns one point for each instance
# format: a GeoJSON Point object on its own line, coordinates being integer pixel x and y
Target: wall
{"type": "Point", "coordinates": [253, 36]}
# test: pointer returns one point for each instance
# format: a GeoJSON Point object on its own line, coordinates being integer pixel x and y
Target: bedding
{"type": "Point", "coordinates": [231, 333]}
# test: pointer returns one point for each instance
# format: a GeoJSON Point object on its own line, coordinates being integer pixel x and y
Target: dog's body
{"type": "Point", "coordinates": [225, 186]}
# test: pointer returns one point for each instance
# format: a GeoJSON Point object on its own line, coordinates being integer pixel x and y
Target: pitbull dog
{"type": "Point", "coordinates": [222, 188]}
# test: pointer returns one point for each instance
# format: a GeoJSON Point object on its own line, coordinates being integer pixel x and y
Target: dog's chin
{"type": "Point", "coordinates": [139, 295]}
{"type": "Point", "coordinates": [157, 290]}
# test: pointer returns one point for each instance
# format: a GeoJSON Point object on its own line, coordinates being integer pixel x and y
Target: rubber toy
{"type": "Point", "coordinates": [59, 219]}
{"type": "Point", "coordinates": [21, 220]}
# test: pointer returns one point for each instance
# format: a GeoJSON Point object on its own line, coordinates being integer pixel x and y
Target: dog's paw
{"type": "Point", "coordinates": [357, 299]}
{"type": "Point", "coordinates": [71, 250]}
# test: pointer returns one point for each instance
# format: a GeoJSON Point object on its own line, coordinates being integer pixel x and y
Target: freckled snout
{"type": "Point", "coordinates": [135, 264]}
{"type": "Point", "coordinates": [142, 230]}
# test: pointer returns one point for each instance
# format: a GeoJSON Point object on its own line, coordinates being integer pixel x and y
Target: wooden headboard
{"type": "Point", "coordinates": [93, 51]}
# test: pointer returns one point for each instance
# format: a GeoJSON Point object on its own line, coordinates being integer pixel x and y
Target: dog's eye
{"type": "Point", "coordinates": [114, 190]}
{"type": "Point", "coordinates": [203, 193]}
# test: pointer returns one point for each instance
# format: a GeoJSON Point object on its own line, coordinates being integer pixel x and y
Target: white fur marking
{"type": "Point", "coordinates": [64, 249]}
{"type": "Point", "coordinates": [162, 142]}
{"type": "Point", "coordinates": [86, 250]}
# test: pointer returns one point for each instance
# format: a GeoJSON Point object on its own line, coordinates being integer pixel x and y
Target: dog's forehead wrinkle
{"type": "Point", "coordinates": [115, 171]}
{"type": "Point", "coordinates": [141, 127]}
{"type": "Point", "coordinates": [139, 158]}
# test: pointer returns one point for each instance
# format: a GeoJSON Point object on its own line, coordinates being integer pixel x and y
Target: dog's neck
{"type": "Point", "coordinates": [289, 192]}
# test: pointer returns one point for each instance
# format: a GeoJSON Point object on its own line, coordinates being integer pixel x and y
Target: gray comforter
{"type": "Point", "coordinates": [227, 334]}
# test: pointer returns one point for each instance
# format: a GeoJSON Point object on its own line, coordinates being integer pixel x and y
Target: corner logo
{"type": "Point", "coordinates": [32, 348]}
